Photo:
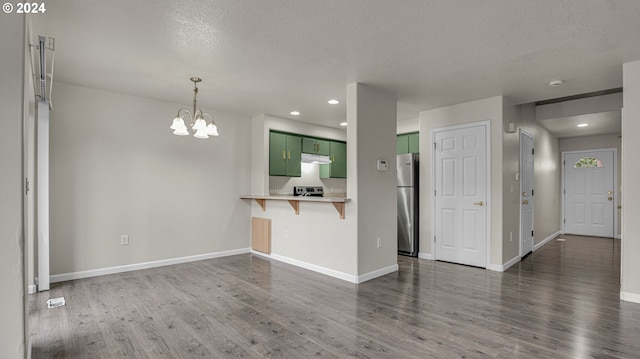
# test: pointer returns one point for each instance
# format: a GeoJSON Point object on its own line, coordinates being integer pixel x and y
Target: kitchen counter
{"type": "Point", "coordinates": [294, 201]}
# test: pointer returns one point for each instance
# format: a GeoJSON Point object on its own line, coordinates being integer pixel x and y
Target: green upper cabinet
{"type": "Point", "coordinates": [408, 143]}
{"type": "Point", "coordinates": [402, 144]}
{"type": "Point", "coordinates": [284, 154]}
{"type": "Point", "coordinates": [338, 166]}
{"type": "Point", "coordinates": [414, 142]}
{"type": "Point", "coordinates": [316, 146]}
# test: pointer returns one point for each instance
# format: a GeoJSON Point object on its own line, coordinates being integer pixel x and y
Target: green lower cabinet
{"type": "Point", "coordinates": [284, 155]}
{"type": "Point", "coordinates": [338, 166]}
{"type": "Point", "coordinates": [408, 143]}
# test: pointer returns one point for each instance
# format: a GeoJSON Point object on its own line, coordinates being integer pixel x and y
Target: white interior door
{"type": "Point", "coordinates": [460, 202]}
{"type": "Point", "coordinates": [527, 201]}
{"type": "Point", "coordinates": [589, 193]}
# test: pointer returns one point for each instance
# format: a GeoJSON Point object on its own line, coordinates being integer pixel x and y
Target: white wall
{"type": "Point", "coordinates": [547, 174]}
{"type": "Point", "coordinates": [371, 114]}
{"type": "Point", "coordinates": [410, 125]}
{"type": "Point", "coordinates": [12, 267]}
{"type": "Point", "coordinates": [490, 109]}
{"type": "Point", "coordinates": [310, 176]}
{"type": "Point", "coordinates": [598, 142]}
{"type": "Point", "coordinates": [117, 169]}
{"type": "Point", "coordinates": [630, 265]}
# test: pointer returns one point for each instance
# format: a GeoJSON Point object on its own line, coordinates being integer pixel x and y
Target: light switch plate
{"type": "Point", "coordinates": [382, 165]}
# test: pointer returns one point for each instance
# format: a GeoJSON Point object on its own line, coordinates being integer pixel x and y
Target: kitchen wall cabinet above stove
{"type": "Point", "coordinates": [285, 154]}
{"type": "Point", "coordinates": [315, 146]}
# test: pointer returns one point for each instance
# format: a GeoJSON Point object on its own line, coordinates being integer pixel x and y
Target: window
{"type": "Point", "coordinates": [588, 162]}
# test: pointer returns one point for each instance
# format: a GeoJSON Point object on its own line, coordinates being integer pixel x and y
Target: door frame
{"type": "Point", "coordinates": [525, 133]}
{"type": "Point", "coordinates": [487, 125]}
{"type": "Point", "coordinates": [615, 186]}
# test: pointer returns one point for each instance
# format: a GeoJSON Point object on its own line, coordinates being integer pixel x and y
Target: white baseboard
{"type": "Point", "coordinates": [330, 272]}
{"type": "Point", "coordinates": [31, 288]}
{"type": "Point", "coordinates": [146, 265]}
{"type": "Point", "coordinates": [546, 240]}
{"type": "Point", "coordinates": [504, 267]}
{"type": "Point", "coordinates": [311, 267]}
{"type": "Point", "coordinates": [511, 262]}
{"type": "Point", "coordinates": [377, 273]}
{"type": "Point", "coordinates": [630, 297]}
{"type": "Point", "coordinates": [29, 346]}
{"type": "Point", "coordinates": [425, 256]}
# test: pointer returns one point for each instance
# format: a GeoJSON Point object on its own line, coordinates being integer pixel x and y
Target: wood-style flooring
{"type": "Point", "coordinates": [561, 301]}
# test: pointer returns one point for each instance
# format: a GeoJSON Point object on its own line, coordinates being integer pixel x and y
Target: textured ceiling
{"type": "Point", "coordinates": [277, 56]}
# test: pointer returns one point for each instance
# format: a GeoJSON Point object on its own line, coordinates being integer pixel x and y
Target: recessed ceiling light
{"type": "Point", "coordinates": [583, 125]}
{"type": "Point", "coordinates": [333, 102]}
{"type": "Point", "coordinates": [556, 83]}
{"type": "Point", "coordinates": [343, 123]}
{"type": "Point", "coordinates": [295, 113]}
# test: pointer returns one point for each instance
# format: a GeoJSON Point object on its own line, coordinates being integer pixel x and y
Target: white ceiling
{"type": "Point", "coordinates": [602, 123]}
{"type": "Point", "coordinates": [277, 56]}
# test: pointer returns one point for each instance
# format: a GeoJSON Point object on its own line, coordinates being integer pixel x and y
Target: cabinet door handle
{"type": "Point", "coordinates": [284, 156]}
{"type": "Point", "coordinates": [289, 153]}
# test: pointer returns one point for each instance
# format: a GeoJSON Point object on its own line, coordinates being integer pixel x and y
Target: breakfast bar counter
{"type": "Point", "coordinates": [294, 201]}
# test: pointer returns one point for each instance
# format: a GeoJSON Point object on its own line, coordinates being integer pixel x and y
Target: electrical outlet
{"type": "Point", "coordinates": [379, 242]}
{"type": "Point", "coordinates": [510, 236]}
{"type": "Point", "coordinates": [124, 239]}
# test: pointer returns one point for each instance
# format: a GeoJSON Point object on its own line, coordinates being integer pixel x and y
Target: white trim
{"type": "Point", "coordinates": [630, 297]}
{"type": "Point", "coordinates": [312, 267]}
{"type": "Point", "coordinates": [425, 256]}
{"type": "Point", "coordinates": [330, 272]}
{"type": "Point", "coordinates": [377, 273]}
{"type": "Point", "coordinates": [31, 288]}
{"type": "Point", "coordinates": [504, 267]}
{"type": "Point", "coordinates": [487, 125]}
{"type": "Point", "coordinates": [524, 133]}
{"type": "Point", "coordinates": [546, 240]}
{"type": "Point", "coordinates": [29, 347]}
{"type": "Point", "coordinates": [145, 265]}
{"type": "Point", "coordinates": [615, 185]}
{"type": "Point", "coordinates": [42, 201]}
{"type": "Point", "coordinates": [619, 236]}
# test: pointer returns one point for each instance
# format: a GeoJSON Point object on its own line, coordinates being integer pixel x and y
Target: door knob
{"type": "Point", "coordinates": [610, 198]}
{"type": "Point", "coordinates": [524, 201]}
{"type": "Point", "coordinates": [609, 192]}
{"type": "Point", "coordinates": [479, 204]}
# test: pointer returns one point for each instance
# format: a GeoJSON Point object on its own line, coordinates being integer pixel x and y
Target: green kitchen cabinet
{"type": "Point", "coordinates": [316, 146]}
{"type": "Point", "coordinates": [338, 166]}
{"type": "Point", "coordinates": [284, 154]}
{"type": "Point", "coordinates": [408, 143]}
{"type": "Point", "coordinates": [414, 142]}
{"type": "Point", "coordinates": [402, 144]}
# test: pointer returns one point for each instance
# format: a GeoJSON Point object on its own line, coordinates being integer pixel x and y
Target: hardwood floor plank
{"type": "Point", "coordinates": [561, 301]}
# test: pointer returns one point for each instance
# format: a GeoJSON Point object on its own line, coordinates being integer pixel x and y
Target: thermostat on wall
{"type": "Point", "coordinates": [382, 165]}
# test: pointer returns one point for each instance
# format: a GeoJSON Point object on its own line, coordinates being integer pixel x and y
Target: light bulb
{"type": "Point", "coordinates": [200, 124]}
{"type": "Point", "coordinates": [201, 133]}
{"type": "Point", "coordinates": [177, 123]}
{"type": "Point", "coordinates": [212, 129]}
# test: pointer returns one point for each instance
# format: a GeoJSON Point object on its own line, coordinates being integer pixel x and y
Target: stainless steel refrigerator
{"type": "Point", "coordinates": [408, 204]}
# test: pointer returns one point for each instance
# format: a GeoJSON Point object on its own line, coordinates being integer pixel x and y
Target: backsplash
{"type": "Point", "coordinates": [333, 187]}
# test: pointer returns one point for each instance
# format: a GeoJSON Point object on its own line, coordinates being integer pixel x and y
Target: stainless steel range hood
{"type": "Point", "coordinates": [311, 158]}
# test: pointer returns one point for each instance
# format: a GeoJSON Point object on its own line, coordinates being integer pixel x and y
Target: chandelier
{"type": "Point", "coordinates": [196, 119]}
